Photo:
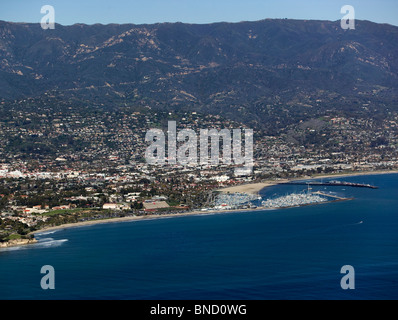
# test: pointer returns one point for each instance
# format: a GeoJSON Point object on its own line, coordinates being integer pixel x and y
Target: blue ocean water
{"type": "Point", "coordinates": [281, 254]}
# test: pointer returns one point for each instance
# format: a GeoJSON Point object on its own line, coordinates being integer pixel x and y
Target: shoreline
{"type": "Point", "coordinates": [257, 187]}
{"type": "Point", "coordinates": [166, 216]}
{"type": "Point", "coordinates": [248, 188]}
{"type": "Point", "coordinates": [252, 188]}
{"type": "Point", "coordinates": [17, 243]}
{"type": "Point", "coordinates": [141, 218]}
{"type": "Point", "coordinates": [351, 174]}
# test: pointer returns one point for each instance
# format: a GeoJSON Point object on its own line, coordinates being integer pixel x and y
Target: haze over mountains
{"type": "Point", "coordinates": [257, 72]}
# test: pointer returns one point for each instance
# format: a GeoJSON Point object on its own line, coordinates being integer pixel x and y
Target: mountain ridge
{"type": "Point", "coordinates": [253, 71]}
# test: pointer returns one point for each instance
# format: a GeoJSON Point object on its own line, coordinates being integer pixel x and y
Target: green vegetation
{"type": "Point", "coordinates": [66, 212]}
{"type": "Point", "coordinates": [13, 237]}
{"type": "Point", "coordinates": [173, 203]}
{"type": "Point", "coordinates": [12, 230]}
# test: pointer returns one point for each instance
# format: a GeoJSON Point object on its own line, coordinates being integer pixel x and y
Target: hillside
{"type": "Point", "coordinates": [265, 73]}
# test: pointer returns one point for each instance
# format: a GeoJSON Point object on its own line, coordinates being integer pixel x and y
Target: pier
{"type": "Point", "coordinates": [332, 196]}
{"type": "Point", "coordinates": [333, 184]}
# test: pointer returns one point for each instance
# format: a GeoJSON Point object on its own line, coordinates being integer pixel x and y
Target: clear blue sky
{"type": "Point", "coordinates": [68, 12]}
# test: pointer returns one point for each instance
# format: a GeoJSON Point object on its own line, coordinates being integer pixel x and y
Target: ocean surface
{"type": "Point", "coordinates": [293, 253]}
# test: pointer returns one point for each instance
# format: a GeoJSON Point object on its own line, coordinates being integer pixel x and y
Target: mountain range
{"type": "Point", "coordinates": [263, 73]}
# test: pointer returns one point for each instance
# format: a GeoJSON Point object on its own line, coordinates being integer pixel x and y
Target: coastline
{"type": "Point", "coordinates": [352, 174]}
{"type": "Point", "coordinates": [253, 188]}
{"type": "Point", "coordinates": [17, 243]}
{"type": "Point", "coordinates": [140, 218]}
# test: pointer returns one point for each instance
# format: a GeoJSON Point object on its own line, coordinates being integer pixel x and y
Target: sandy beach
{"type": "Point", "coordinates": [138, 218]}
{"type": "Point", "coordinates": [253, 188]}
{"type": "Point", "coordinates": [353, 174]}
